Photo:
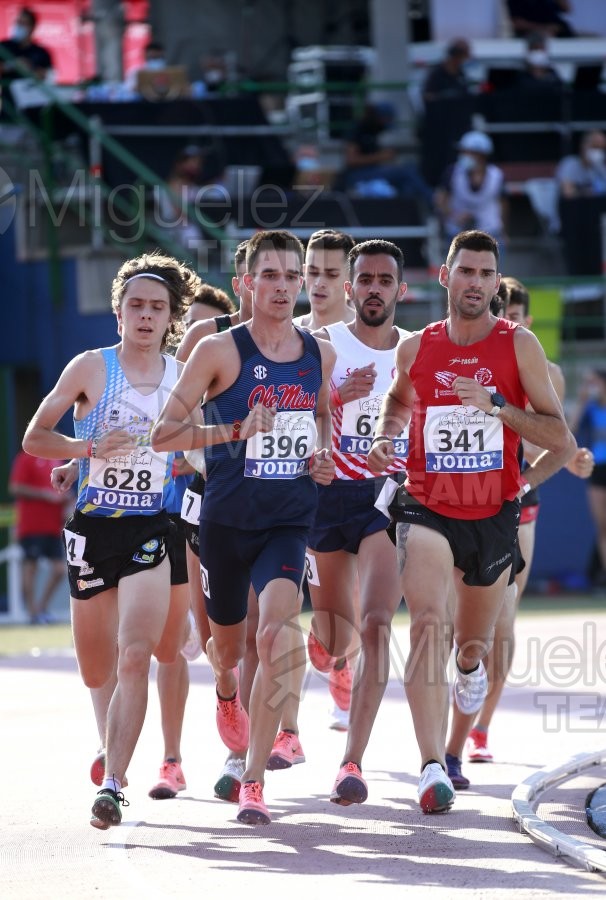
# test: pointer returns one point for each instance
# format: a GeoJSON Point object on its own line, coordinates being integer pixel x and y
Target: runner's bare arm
{"type": "Point", "coordinates": [323, 467]}
{"type": "Point", "coordinates": [543, 422]}
{"type": "Point", "coordinates": [76, 387]}
{"type": "Point", "coordinates": [396, 408]}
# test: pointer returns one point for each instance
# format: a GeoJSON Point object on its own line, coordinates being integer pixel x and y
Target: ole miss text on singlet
{"type": "Point", "coordinates": [264, 482]}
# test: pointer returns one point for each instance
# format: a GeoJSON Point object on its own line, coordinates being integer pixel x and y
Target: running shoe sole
{"type": "Point", "coordinates": [97, 770]}
{"type": "Point", "coordinates": [162, 792]}
{"type": "Point", "coordinates": [437, 798]}
{"type": "Point", "coordinates": [278, 762]}
{"type": "Point", "coordinates": [253, 817]}
{"type": "Point", "coordinates": [350, 790]}
{"type": "Point", "coordinates": [106, 812]}
{"type": "Point", "coordinates": [228, 788]}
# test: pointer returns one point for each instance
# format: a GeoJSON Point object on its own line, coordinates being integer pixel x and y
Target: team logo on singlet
{"type": "Point", "coordinates": [282, 396]}
{"type": "Point", "coordinates": [484, 376]}
{"type": "Point", "coordinates": [446, 378]}
{"type": "Point", "coordinates": [260, 373]}
{"type": "Point", "coordinates": [464, 361]}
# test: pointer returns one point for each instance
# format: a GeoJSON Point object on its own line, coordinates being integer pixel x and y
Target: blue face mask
{"type": "Point", "coordinates": [155, 65]}
{"type": "Point", "coordinates": [19, 33]}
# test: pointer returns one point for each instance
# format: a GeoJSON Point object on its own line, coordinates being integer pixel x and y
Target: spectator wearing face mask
{"type": "Point", "coordinates": [584, 174]}
{"type": "Point", "coordinates": [154, 61]}
{"type": "Point", "coordinates": [538, 75]}
{"type": "Point", "coordinates": [33, 59]}
{"type": "Point", "coordinates": [471, 192]}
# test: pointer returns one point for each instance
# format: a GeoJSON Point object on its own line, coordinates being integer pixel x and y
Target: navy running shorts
{"type": "Point", "coordinates": [346, 515]}
{"type": "Point", "coordinates": [231, 559]}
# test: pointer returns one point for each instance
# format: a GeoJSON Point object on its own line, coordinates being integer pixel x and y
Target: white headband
{"type": "Point", "coordinates": [145, 275]}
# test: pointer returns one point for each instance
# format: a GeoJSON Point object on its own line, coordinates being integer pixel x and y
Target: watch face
{"type": "Point", "coordinates": [498, 400]}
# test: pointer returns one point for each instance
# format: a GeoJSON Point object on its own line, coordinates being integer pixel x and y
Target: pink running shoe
{"type": "Point", "coordinates": [319, 656]}
{"type": "Point", "coordinates": [232, 723]}
{"type": "Point", "coordinates": [97, 770]}
{"type": "Point", "coordinates": [477, 747]}
{"type": "Point", "coordinates": [339, 685]}
{"type": "Point", "coordinates": [252, 809]}
{"type": "Point", "coordinates": [349, 787]}
{"type": "Point", "coordinates": [171, 781]}
{"type": "Point", "coordinates": [286, 752]}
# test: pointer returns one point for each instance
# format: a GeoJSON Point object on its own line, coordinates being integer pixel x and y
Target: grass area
{"type": "Point", "coordinates": [16, 640]}
{"type": "Point", "coordinates": [20, 639]}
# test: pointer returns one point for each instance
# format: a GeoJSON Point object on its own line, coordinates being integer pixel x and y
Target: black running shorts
{"type": "Point", "coordinates": [482, 548]}
{"type": "Point", "coordinates": [101, 550]}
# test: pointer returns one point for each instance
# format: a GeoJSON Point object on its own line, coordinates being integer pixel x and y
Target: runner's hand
{"type": "Point", "coordinates": [323, 467]}
{"type": "Point", "coordinates": [359, 384]}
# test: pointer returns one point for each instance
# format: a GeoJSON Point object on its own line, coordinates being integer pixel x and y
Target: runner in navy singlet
{"type": "Point", "coordinates": [266, 435]}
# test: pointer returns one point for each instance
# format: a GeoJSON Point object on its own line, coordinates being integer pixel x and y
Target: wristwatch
{"type": "Point", "coordinates": [498, 402]}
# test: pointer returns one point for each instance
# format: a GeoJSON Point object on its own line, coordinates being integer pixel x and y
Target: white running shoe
{"type": "Point", "coordinates": [339, 719]}
{"type": "Point", "coordinates": [470, 690]}
{"type": "Point", "coordinates": [192, 648]}
{"type": "Point", "coordinates": [436, 792]}
{"type": "Point", "coordinates": [230, 780]}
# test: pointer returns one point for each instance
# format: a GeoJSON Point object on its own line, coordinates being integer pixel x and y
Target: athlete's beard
{"type": "Point", "coordinates": [375, 319]}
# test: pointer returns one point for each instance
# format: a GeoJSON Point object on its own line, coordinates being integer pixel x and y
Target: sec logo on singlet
{"type": "Point", "coordinates": [260, 372]}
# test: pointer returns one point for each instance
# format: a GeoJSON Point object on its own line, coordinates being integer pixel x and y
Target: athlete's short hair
{"type": "Point", "coordinates": [274, 240]}
{"type": "Point", "coordinates": [517, 293]}
{"type": "Point", "coordinates": [377, 247]}
{"type": "Point", "coordinates": [472, 240]}
{"type": "Point", "coordinates": [215, 297]}
{"type": "Point", "coordinates": [330, 239]}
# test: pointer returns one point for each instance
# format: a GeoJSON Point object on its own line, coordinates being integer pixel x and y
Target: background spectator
{"type": "Point", "coordinates": [446, 80]}
{"type": "Point", "coordinates": [154, 60]}
{"type": "Point", "coordinates": [584, 174]}
{"type": "Point", "coordinates": [40, 513]}
{"type": "Point", "coordinates": [588, 422]}
{"type": "Point", "coordinates": [538, 75]}
{"type": "Point", "coordinates": [370, 166]}
{"type": "Point", "coordinates": [544, 16]}
{"type": "Point", "coordinates": [193, 178]}
{"type": "Point", "coordinates": [471, 194]}
{"type": "Point", "coordinates": [35, 58]}
{"type": "Point", "coordinates": [447, 109]}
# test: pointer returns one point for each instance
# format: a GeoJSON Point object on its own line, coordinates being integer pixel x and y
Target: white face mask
{"type": "Point", "coordinates": [214, 76]}
{"type": "Point", "coordinates": [595, 156]}
{"type": "Point", "coordinates": [466, 162]}
{"type": "Point", "coordinates": [538, 58]}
